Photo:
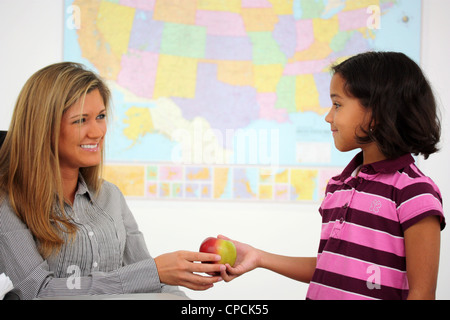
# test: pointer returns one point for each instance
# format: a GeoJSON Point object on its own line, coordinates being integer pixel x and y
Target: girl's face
{"type": "Point", "coordinates": [346, 117]}
{"type": "Point", "coordinates": [82, 133]}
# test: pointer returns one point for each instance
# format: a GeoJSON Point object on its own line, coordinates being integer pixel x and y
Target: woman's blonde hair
{"type": "Point", "coordinates": [29, 155]}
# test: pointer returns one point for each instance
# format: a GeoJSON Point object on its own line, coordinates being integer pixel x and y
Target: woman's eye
{"type": "Point", "coordinates": [79, 121]}
{"type": "Point", "coordinates": [101, 116]}
{"type": "Point", "coordinates": [337, 105]}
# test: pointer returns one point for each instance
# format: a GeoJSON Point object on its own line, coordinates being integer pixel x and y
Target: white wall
{"type": "Point", "coordinates": [436, 64]}
{"type": "Point", "coordinates": [31, 37]}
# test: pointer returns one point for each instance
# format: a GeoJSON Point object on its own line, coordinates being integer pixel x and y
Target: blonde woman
{"type": "Point", "coordinates": [63, 230]}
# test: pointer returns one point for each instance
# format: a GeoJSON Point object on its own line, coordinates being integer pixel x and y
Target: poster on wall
{"type": "Point", "coordinates": [226, 100]}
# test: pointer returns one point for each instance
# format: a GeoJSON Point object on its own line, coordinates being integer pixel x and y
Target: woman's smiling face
{"type": "Point", "coordinates": [82, 132]}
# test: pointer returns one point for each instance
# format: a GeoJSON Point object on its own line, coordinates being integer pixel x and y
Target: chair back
{"type": "Point", "coordinates": [2, 137]}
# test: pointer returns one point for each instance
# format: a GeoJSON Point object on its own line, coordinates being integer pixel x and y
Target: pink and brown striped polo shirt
{"type": "Point", "coordinates": [362, 252]}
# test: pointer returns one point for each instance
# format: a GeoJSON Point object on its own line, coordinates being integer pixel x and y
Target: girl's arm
{"type": "Point", "coordinates": [249, 258]}
{"type": "Point", "coordinates": [422, 242]}
{"type": "Point", "coordinates": [297, 268]}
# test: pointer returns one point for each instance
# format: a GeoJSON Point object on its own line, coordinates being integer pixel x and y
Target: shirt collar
{"type": "Point", "coordinates": [82, 187]}
{"type": "Point", "coordinates": [384, 166]}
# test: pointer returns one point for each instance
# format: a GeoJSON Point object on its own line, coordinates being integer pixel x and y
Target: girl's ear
{"type": "Point", "coordinates": [372, 125]}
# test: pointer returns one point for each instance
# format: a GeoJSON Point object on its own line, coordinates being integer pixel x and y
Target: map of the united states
{"type": "Point", "coordinates": [225, 99]}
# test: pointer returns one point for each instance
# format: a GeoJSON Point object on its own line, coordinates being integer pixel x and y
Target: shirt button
{"type": "Point", "coordinates": [345, 206]}
{"type": "Point", "coordinates": [95, 264]}
{"type": "Point", "coordinates": [341, 221]}
{"type": "Point", "coordinates": [90, 233]}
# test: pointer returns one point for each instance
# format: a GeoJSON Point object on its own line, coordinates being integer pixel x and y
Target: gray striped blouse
{"type": "Point", "coordinates": [108, 255]}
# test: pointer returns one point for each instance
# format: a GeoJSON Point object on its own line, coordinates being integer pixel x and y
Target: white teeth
{"type": "Point", "coordinates": [89, 146]}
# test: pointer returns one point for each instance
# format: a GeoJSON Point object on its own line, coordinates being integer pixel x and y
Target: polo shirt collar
{"type": "Point", "coordinates": [384, 166]}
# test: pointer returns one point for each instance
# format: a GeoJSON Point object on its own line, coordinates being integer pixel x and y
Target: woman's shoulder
{"type": "Point", "coordinates": [109, 193]}
{"type": "Point", "coordinates": [108, 186]}
{"type": "Point", "coordinates": [9, 220]}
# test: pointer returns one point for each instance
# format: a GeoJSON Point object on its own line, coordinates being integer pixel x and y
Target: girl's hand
{"type": "Point", "coordinates": [177, 268]}
{"type": "Point", "coordinates": [248, 258]}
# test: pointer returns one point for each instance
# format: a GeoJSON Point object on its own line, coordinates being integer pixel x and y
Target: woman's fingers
{"type": "Point", "coordinates": [200, 256]}
{"type": "Point", "coordinates": [201, 282]}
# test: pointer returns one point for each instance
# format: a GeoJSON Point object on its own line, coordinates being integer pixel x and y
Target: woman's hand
{"type": "Point", "coordinates": [247, 259]}
{"type": "Point", "coordinates": [177, 268]}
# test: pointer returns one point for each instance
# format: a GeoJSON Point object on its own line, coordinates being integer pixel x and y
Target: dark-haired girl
{"type": "Point", "coordinates": [381, 217]}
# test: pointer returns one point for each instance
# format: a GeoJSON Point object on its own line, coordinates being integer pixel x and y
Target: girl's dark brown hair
{"type": "Point", "coordinates": [404, 112]}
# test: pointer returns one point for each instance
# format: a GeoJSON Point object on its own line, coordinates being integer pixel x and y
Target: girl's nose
{"type": "Point", "coordinates": [329, 116]}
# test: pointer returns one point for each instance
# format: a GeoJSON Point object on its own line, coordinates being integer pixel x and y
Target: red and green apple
{"type": "Point", "coordinates": [224, 248]}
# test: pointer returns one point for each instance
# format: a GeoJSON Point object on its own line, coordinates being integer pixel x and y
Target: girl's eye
{"type": "Point", "coordinates": [337, 105]}
{"type": "Point", "coordinates": [101, 116]}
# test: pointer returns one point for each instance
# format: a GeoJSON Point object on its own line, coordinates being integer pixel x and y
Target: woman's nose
{"type": "Point", "coordinates": [97, 130]}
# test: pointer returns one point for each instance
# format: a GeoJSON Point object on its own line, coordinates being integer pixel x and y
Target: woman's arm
{"type": "Point", "coordinates": [422, 242]}
{"type": "Point", "coordinates": [178, 268]}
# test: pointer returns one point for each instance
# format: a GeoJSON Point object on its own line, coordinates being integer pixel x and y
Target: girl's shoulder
{"type": "Point", "coordinates": [413, 180]}
{"type": "Point", "coordinates": [418, 197]}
